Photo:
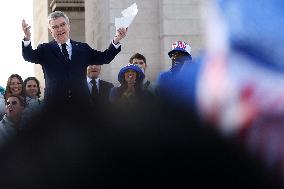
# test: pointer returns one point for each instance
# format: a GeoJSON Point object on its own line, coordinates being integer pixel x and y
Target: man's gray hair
{"type": "Point", "coordinates": [57, 14]}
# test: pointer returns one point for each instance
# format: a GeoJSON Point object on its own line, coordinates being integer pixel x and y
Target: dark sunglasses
{"type": "Point", "coordinates": [178, 53]}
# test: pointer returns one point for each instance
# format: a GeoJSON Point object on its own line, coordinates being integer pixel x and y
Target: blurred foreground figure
{"type": "Point", "coordinates": [147, 145]}
{"type": "Point", "coordinates": [180, 56]}
{"type": "Point", "coordinates": [237, 84]}
{"type": "Point", "coordinates": [243, 72]}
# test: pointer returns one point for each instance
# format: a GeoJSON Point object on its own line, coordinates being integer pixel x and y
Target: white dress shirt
{"type": "Point", "coordinates": [90, 85]}
{"type": "Point", "coordinates": [68, 47]}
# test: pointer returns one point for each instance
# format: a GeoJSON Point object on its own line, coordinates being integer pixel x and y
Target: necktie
{"type": "Point", "coordinates": [95, 92]}
{"type": "Point", "coordinates": [65, 52]}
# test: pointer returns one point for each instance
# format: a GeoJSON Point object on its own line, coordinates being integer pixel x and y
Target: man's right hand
{"type": "Point", "coordinates": [26, 28]}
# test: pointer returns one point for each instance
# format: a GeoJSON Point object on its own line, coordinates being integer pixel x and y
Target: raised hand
{"type": "Point", "coordinates": [120, 34]}
{"type": "Point", "coordinates": [26, 28]}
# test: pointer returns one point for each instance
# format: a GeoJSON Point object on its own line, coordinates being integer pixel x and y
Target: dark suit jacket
{"type": "Point", "coordinates": [64, 79]}
{"type": "Point", "coordinates": [104, 91]}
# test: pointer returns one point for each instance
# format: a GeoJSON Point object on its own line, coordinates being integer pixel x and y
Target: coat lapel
{"type": "Point", "coordinates": [75, 47]}
{"type": "Point", "coordinates": [102, 88]}
{"type": "Point", "coordinates": [56, 50]}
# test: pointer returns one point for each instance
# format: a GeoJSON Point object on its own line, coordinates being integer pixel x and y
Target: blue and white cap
{"type": "Point", "coordinates": [180, 46]}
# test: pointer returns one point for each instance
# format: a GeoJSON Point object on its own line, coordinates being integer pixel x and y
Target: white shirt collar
{"type": "Point", "coordinates": [89, 79]}
{"type": "Point", "coordinates": [68, 43]}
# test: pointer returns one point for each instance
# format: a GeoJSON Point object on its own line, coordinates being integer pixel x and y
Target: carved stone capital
{"type": "Point", "coordinates": [67, 5]}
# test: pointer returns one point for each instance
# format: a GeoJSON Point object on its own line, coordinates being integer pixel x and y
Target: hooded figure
{"type": "Point", "coordinates": [180, 56]}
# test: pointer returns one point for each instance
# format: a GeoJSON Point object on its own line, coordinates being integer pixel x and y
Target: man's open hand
{"type": "Point", "coordinates": [26, 28]}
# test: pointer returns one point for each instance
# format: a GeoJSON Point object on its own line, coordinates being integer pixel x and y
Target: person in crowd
{"type": "Point", "coordinates": [64, 61]}
{"type": "Point", "coordinates": [14, 86]}
{"type": "Point", "coordinates": [32, 93]}
{"type": "Point", "coordinates": [2, 102]}
{"type": "Point", "coordinates": [2, 91]}
{"type": "Point", "coordinates": [10, 124]}
{"type": "Point", "coordinates": [99, 89]}
{"type": "Point", "coordinates": [131, 88]}
{"type": "Point", "coordinates": [140, 60]}
{"type": "Point", "coordinates": [179, 55]}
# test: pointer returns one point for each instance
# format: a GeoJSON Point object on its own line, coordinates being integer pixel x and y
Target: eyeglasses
{"type": "Point", "coordinates": [16, 83]}
{"type": "Point", "coordinates": [12, 103]}
{"type": "Point", "coordinates": [56, 27]}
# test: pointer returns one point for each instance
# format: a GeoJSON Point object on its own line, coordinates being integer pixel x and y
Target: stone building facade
{"type": "Point", "coordinates": [157, 25]}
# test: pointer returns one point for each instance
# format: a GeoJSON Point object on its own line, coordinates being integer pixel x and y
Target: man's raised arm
{"type": "Point", "coordinates": [26, 28]}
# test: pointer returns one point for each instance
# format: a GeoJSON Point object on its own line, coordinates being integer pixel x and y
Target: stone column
{"type": "Point", "coordinates": [143, 34]}
{"type": "Point", "coordinates": [41, 33]}
{"type": "Point", "coordinates": [180, 20]}
{"type": "Point", "coordinates": [98, 34]}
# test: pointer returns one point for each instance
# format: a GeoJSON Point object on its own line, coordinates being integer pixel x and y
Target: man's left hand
{"type": "Point", "coordinates": [120, 34]}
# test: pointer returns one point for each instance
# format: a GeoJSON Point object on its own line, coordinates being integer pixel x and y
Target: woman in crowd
{"type": "Point", "coordinates": [32, 94]}
{"type": "Point", "coordinates": [131, 90]}
{"type": "Point", "coordinates": [14, 86]}
{"type": "Point", "coordinates": [32, 91]}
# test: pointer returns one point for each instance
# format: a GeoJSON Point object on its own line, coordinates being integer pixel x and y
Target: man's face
{"type": "Point", "coordinates": [16, 86]}
{"type": "Point", "coordinates": [13, 108]}
{"type": "Point", "coordinates": [176, 57]}
{"type": "Point", "coordinates": [130, 77]}
{"type": "Point", "coordinates": [140, 63]}
{"type": "Point", "coordinates": [93, 71]}
{"type": "Point", "coordinates": [31, 88]}
{"type": "Point", "coordinates": [59, 29]}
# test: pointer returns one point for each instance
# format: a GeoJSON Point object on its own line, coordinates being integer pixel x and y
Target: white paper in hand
{"type": "Point", "coordinates": [128, 16]}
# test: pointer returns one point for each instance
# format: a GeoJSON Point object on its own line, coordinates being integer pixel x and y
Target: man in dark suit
{"type": "Point", "coordinates": [64, 61]}
{"type": "Point", "coordinates": [99, 89]}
